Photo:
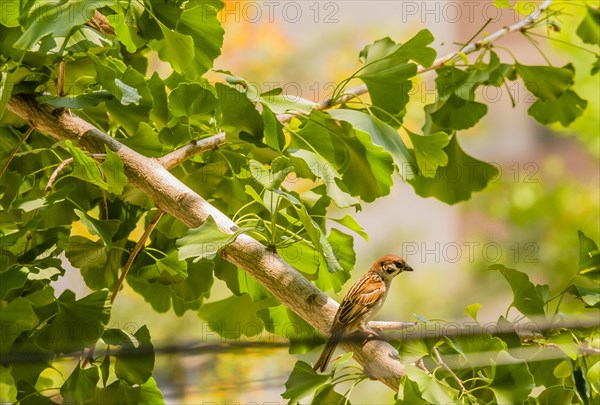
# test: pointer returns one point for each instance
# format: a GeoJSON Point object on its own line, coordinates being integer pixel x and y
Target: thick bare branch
{"type": "Point", "coordinates": [172, 196]}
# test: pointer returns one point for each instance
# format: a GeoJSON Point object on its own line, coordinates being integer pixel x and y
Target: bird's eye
{"type": "Point", "coordinates": [399, 264]}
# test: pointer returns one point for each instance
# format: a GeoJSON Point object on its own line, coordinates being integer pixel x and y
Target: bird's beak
{"type": "Point", "coordinates": [407, 268]}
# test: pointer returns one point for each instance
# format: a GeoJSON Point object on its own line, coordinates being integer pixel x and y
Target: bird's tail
{"type": "Point", "coordinates": [325, 357]}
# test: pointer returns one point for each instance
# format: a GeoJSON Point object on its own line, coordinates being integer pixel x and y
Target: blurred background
{"type": "Point", "coordinates": [527, 219]}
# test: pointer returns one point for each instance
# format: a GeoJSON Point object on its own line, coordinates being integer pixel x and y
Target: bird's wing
{"type": "Point", "coordinates": [359, 300]}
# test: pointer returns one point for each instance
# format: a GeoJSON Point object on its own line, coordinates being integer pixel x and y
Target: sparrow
{"type": "Point", "coordinates": [363, 301]}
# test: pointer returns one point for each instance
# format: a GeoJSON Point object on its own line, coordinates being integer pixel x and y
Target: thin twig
{"type": "Point", "coordinates": [61, 167]}
{"type": "Point", "coordinates": [441, 362]}
{"type": "Point", "coordinates": [177, 156]}
{"type": "Point", "coordinates": [15, 150]}
{"type": "Point", "coordinates": [138, 247]}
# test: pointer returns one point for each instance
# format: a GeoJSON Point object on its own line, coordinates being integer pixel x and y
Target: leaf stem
{"type": "Point", "coordinates": [563, 42]}
{"type": "Point", "coordinates": [138, 247]}
{"type": "Point", "coordinates": [16, 149]}
{"type": "Point", "coordinates": [536, 46]}
{"type": "Point", "coordinates": [441, 362]}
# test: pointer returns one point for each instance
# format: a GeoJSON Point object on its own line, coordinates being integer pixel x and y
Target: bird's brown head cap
{"type": "Point", "coordinates": [391, 265]}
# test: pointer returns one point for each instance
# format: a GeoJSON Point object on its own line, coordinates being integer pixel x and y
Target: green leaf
{"type": "Point", "coordinates": [145, 141]}
{"type": "Point", "coordinates": [105, 229]}
{"type": "Point", "coordinates": [125, 27]}
{"type": "Point", "coordinates": [556, 395]}
{"type": "Point", "coordinates": [273, 130]}
{"type": "Point", "coordinates": [8, 388]}
{"type": "Point", "coordinates": [589, 296]}
{"type": "Point", "coordinates": [176, 49]}
{"type": "Point", "coordinates": [417, 48]}
{"type": "Point", "coordinates": [351, 152]}
{"type": "Point", "coordinates": [284, 322]}
{"type": "Point", "coordinates": [458, 179]}
{"type": "Point", "coordinates": [86, 169]}
{"type": "Point", "coordinates": [302, 381]}
{"type": "Point", "coordinates": [386, 73]}
{"type": "Point", "coordinates": [474, 349]}
{"type": "Point", "coordinates": [238, 113]}
{"type": "Point", "coordinates": [160, 110]}
{"type": "Point", "coordinates": [84, 253]}
{"type": "Point", "coordinates": [105, 369]}
{"type": "Point", "coordinates": [526, 298]}
{"type": "Point", "coordinates": [86, 100]}
{"type": "Point", "coordinates": [205, 241]}
{"type": "Point", "coordinates": [453, 114]}
{"type": "Point", "coordinates": [82, 321]}
{"type": "Point", "coordinates": [350, 223]}
{"type": "Point", "coordinates": [457, 108]}
{"type": "Point", "coordinates": [589, 257]}
{"type": "Point", "coordinates": [168, 270]}
{"type": "Point", "coordinates": [589, 29]}
{"type": "Point", "coordinates": [317, 236]}
{"type": "Point", "coordinates": [235, 316]}
{"type": "Point", "coordinates": [342, 246]}
{"type": "Point", "coordinates": [327, 395]}
{"type": "Point", "coordinates": [429, 151]}
{"type": "Point", "coordinates": [119, 392]}
{"type": "Point", "coordinates": [193, 101]}
{"type": "Point", "coordinates": [321, 168]}
{"type": "Point", "coordinates": [431, 389]}
{"type": "Point", "coordinates": [56, 18]}
{"type": "Point", "coordinates": [472, 310]}
{"type": "Point", "coordinates": [16, 317]}
{"type": "Point", "coordinates": [546, 82]}
{"type": "Point", "coordinates": [512, 381]}
{"type": "Point", "coordinates": [12, 279]}
{"type": "Point", "coordinates": [7, 82]}
{"type": "Point", "coordinates": [114, 172]}
{"type": "Point", "coordinates": [411, 350]}
{"type": "Point", "coordinates": [564, 109]}
{"type": "Point", "coordinates": [271, 179]}
{"type": "Point", "coordinates": [200, 21]}
{"type": "Point", "coordinates": [281, 103]}
{"type": "Point", "coordinates": [593, 377]}
{"type": "Point", "coordinates": [133, 99]}
{"type": "Point", "coordinates": [566, 343]}
{"type": "Point", "coordinates": [409, 393]}
{"type": "Point", "coordinates": [80, 387]}
{"type": "Point", "coordinates": [381, 133]}
{"type": "Point", "coordinates": [135, 360]}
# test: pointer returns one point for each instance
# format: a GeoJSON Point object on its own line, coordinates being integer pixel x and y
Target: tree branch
{"type": "Point", "coordinates": [291, 288]}
{"type": "Point", "coordinates": [177, 156]}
